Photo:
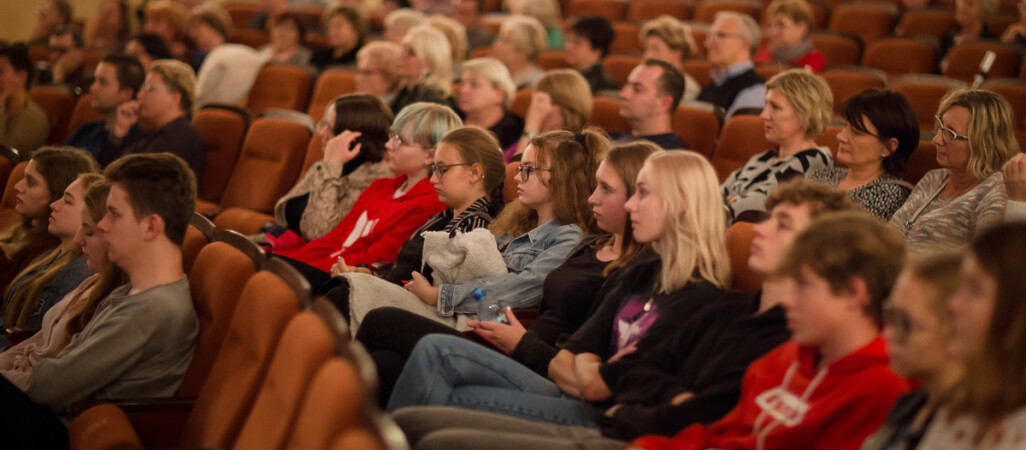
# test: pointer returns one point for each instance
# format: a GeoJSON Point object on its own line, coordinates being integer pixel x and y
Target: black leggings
{"type": "Point", "coordinates": [389, 335]}
{"type": "Point", "coordinates": [26, 424]}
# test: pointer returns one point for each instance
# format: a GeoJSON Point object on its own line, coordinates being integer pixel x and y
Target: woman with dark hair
{"type": "Point", "coordinates": [286, 47]}
{"type": "Point", "coordinates": [880, 133]}
{"type": "Point", "coordinates": [111, 26]}
{"type": "Point", "coordinates": [988, 409]}
{"type": "Point", "coordinates": [346, 29]}
{"type": "Point", "coordinates": [147, 48]}
{"type": "Point", "coordinates": [331, 186]}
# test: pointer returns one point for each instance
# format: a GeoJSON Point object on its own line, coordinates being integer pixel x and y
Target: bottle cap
{"type": "Point", "coordinates": [479, 294]}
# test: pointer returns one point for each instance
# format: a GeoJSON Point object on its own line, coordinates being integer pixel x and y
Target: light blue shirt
{"type": "Point", "coordinates": [529, 258]}
{"type": "Point", "coordinates": [751, 97]}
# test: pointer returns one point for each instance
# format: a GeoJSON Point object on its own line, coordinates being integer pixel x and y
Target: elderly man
{"type": "Point", "coordinates": [730, 43]}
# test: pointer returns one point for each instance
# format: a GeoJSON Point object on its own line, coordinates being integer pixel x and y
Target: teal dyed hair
{"type": "Point", "coordinates": [425, 123]}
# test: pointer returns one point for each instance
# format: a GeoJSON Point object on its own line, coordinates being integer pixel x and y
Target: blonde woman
{"type": "Point", "coordinates": [561, 101]}
{"type": "Point", "coordinates": [398, 22]}
{"type": "Point", "coordinates": [675, 208]}
{"type": "Point", "coordinates": [952, 205]}
{"type": "Point", "coordinates": [520, 42]}
{"type": "Point", "coordinates": [798, 107]}
{"type": "Point", "coordinates": [667, 39]}
{"type": "Point", "coordinates": [486, 93]}
{"type": "Point", "coordinates": [377, 72]}
{"type": "Point", "coordinates": [548, 14]}
{"type": "Point", "coordinates": [455, 33]}
{"type": "Point", "coordinates": [425, 65]}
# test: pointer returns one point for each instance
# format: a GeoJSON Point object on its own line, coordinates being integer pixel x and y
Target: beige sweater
{"type": "Point", "coordinates": [332, 195]}
{"type": "Point", "coordinates": [25, 130]}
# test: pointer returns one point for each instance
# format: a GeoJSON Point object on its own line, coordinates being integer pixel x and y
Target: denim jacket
{"type": "Point", "coordinates": [529, 257]}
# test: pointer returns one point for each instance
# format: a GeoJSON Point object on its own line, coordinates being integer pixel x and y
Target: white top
{"type": "Point", "coordinates": [959, 433]}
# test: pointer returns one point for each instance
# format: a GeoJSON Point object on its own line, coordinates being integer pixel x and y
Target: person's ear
{"type": "Point", "coordinates": [858, 294]}
{"type": "Point", "coordinates": [177, 96]}
{"type": "Point", "coordinates": [666, 103]}
{"type": "Point", "coordinates": [154, 227]}
{"type": "Point", "coordinates": [476, 173]}
{"type": "Point", "coordinates": [890, 146]}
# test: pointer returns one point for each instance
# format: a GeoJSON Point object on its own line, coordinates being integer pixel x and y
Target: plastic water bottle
{"type": "Point", "coordinates": [489, 312]}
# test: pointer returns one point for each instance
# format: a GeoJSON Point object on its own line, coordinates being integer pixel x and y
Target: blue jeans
{"type": "Point", "coordinates": [452, 371]}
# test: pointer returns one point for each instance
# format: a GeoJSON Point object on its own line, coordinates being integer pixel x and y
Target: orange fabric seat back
{"type": "Point", "coordinates": [521, 102]}
{"type": "Point", "coordinates": [552, 59]}
{"type": "Point", "coordinates": [845, 84]}
{"type": "Point", "coordinates": [900, 55]}
{"type": "Point", "coordinates": [334, 404]}
{"type": "Point", "coordinates": [605, 113]}
{"type": "Point", "coordinates": [215, 278]}
{"type": "Point", "coordinates": [867, 21]}
{"type": "Point", "coordinates": [924, 97]}
{"type": "Point", "coordinates": [741, 138]}
{"type": "Point", "coordinates": [643, 10]}
{"type": "Point", "coordinates": [927, 22]}
{"type": "Point", "coordinates": [699, 69]}
{"type": "Point", "coordinates": [837, 49]}
{"type": "Point", "coordinates": [697, 128]}
{"type": "Point", "coordinates": [923, 160]}
{"type": "Point", "coordinates": [963, 60]}
{"type": "Point", "coordinates": [59, 104]}
{"type": "Point", "coordinates": [10, 196]}
{"type": "Point", "coordinates": [619, 67]}
{"type": "Point", "coordinates": [509, 185]}
{"type": "Point", "coordinates": [330, 84]}
{"type": "Point", "coordinates": [1016, 95]}
{"type": "Point", "coordinates": [268, 164]}
{"type": "Point", "coordinates": [83, 113]}
{"type": "Point", "coordinates": [222, 132]}
{"type": "Point", "coordinates": [739, 244]}
{"type": "Point", "coordinates": [279, 86]}
{"type": "Point", "coordinates": [357, 438]}
{"type": "Point", "coordinates": [194, 242]}
{"type": "Point", "coordinates": [612, 10]}
{"type": "Point", "coordinates": [625, 38]}
{"type": "Point", "coordinates": [266, 306]}
{"type": "Point", "coordinates": [306, 345]}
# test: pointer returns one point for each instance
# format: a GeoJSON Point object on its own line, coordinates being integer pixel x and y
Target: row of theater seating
{"type": "Point", "coordinates": [272, 368]}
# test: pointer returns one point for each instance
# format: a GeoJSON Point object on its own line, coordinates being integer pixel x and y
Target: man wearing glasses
{"type": "Point", "coordinates": [730, 43]}
{"type": "Point", "coordinates": [163, 103]}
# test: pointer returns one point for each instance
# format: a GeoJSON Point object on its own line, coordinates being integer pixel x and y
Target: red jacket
{"type": "Point", "coordinates": [814, 59]}
{"type": "Point", "coordinates": [384, 223]}
{"type": "Point", "coordinates": [836, 407]}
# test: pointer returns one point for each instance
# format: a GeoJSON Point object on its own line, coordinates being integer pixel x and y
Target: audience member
{"type": "Point", "coordinates": [425, 65]}
{"type": "Point", "coordinates": [286, 47]}
{"type": "Point", "coordinates": [548, 14]}
{"type": "Point", "coordinates": [688, 270]}
{"type": "Point", "coordinates": [830, 385]}
{"type": "Point", "coordinates": [569, 291]}
{"type": "Point", "coordinates": [521, 40]}
{"type": "Point", "coordinates": [1014, 174]}
{"type": "Point", "coordinates": [987, 409]}
{"type": "Point", "coordinates": [399, 22]}
{"type": "Point", "coordinates": [24, 125]}
{"type": "Point", "coordinates": [455, 34]}
{"type": "Point", "coordinates": [1015, 34]}
{"type": "Point", "coordinates": [147, 48]}
{"type": "Point", "coordinates": [166, 19]}
{"type": "Point", "coordinates": [165, 101]}
{"type": "Point", "coordinates": [268, 8]}
{"type": "Point", "coordinates": [561, 101]}
{"type": "Point", "coordinates": [470, 13]}
{"type": "Point", "coordinates": [790, 22]}
{"type": "Point", "coordinates": [694, 376]}
{"type": "Point", "coordinates": [971, 16]}
{"type": "Point", "coordinates": [111, 27]}
{"type": "Point", "coordinates": [377, 70]}
{"type": "Point", "coordinates": [798, 107]}
{"type": "Point", "coordinates": [47, 175]}
{"type": "Point", "coordinates": [347, 30]}
{"type": "Point", "coordinates": [918, 325]}
{"type": "Point", "coordinates": [390, 209]}
{"type": "Point", "coordinates": [38, 287]}
{"type": "Point", "coordinates": [486, 93]}
{"type": "Point", "coordinates": [952, 205]}
{"type": "Point", "coordinates": [667, 39]}
{"type": "Point", "coordinates": [141, 337]}
{"type": "Point", "coordinates": [69, 316]}
{"type": "Point", "coordinates": [353, 134]}
{"type": "Point", "coordinates": [648, 101]}
{"type": "Point", "coordinates": [880, 133]}
{"type": "Point", "coordinates": [50, 14]}
{"type": "Point", "coordinates": [730, 43]}
{"type": "Point", "coordinates": [208, 26]}
{"type": "Point", "coordinates": [64, 61]}
{"type": "Point", "coordinates": [116, 80]}
{"type": "Point", "coordinates": [586, 44]}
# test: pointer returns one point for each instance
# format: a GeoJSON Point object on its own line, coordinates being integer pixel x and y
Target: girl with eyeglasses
{"type": "Point", "coordinates": [952, 205]}
{"type": "Point", "coordinates": [917, 325]}
{"type": "Point", "coordinates": [880, 133]}
{"type": "Point", "coordinates": [390, 209]}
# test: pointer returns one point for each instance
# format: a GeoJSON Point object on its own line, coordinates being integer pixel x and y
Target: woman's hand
{"type": "Point", "coordinates": [340, 148]}
{"type": "Point", "coordinates": [541, 106]}
{"type": "Point", "coordinates": [423, 289]}
{"type": "Point", "coordinates": [341, 267]}
{"type": "Point", "coordinates": [1014, 172]}
{"type": "Point", "coordinates": [506, 337]}
{"type": "Point", "coordinates": [623, 352]}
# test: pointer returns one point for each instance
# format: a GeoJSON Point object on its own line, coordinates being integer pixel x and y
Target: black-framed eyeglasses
{"type": "Point", "coordinates": [526, 169]}
{"type": "Point", "coordinates": [440, 168]}
{"type": "Point", "coordinates": [947, 134]}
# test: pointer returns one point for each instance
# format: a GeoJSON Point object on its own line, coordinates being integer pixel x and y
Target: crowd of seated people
{"type": "Point", "coordinates": [886, 311]}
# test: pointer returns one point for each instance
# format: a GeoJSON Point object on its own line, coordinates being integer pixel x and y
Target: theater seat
{"type": "Point", "coordinates": [242, 13]}
{"type": "Point", "coordinates": [698, 124]}
{"type": "Point", "coordinates": [612, 10]}
{"type": "Point", "coordinates": [8, 159]}
{"type": "Point", "coordinates": [83, 113]}
{"type": "Point", "coordinates": [333, 405]}
{"type": "Point", "coordinates": [849, 81]}
{"type": "Point", "coordinates": [552, 59]}
{"type": "Point", "coordinates": [59, 104]}
{"type": "Point", "coordinates": [222, 130]}
{"type": "Point", "coordinates": [699, 69]}
{"type": "Point", "coordinates": [741, 138]}
{"type": "Point", "coordinates": [330, 84]}
{"type": "Point", "coordinates": [739, 243]}
{"type": "Point", "coordinates": [643, 10]}
{"type": "Point", "coordinates": [927, 22]}
{"type": "Point", "coordinates": [267, 304]}
{"type": "Point", "coordinates": [828, 138]}
{"type": "Point", "coordinates": [707, 9]}
{"type": "Point", "coordinates": [521, 102]}
{"type": "Point", "coordinates": [866, 20]}
{"type": "Point", "coordinates": [625, 38]}
{"type": "Point", "coordinates": [279, 86]}
{"type": "Point", "coordinates": [838, 49]}
{"type": "Point", "coordinates": [924, 93]}
{"type": "Point", "coordinates": [963, 60]}
{"type": "Point", "coordinates": [606, 114]}
{"type": "Point", "coordinates": [1013, 90]}
{"type": "Point", "coordinates": [619, 67]}
{"type": "Point", "coordinates": [252, 38]}
{"type": "Point", "coordinates": [922, 160]}
{"type": "Point", "coordinates": [897, 56]}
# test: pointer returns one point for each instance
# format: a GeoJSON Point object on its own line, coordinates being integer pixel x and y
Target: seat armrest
{"type": "Point", "coordinates": [138, 405]}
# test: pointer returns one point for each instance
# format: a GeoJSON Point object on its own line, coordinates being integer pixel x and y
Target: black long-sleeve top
{"type": "Point", "coordinates": [707, 357]}
{"type": "Point", "coordinates": [178, 137]}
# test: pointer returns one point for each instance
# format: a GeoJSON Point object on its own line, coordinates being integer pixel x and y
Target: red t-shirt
{"type": "Point", "coordinates": [814, 59]}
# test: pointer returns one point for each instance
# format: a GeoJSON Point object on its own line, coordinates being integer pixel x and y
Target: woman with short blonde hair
{"type": "Point", "coordinates": [952, 205]}
{"type": "Point", "coordinates": [377, 70]}
{"type": "Point", "coordinates": [398, 22]}
{"type": "Point", "coordinates": [667, 39]}
{"type": "Point", "coordinates": [547, 12]}
{"type": "Point", "coordinates": [486, 93]}
{"type": "Point", "coordinates": [521, 40]}
{"type": "Point", "coordinates": [425, 65]}
{"type": "Point", "coordinates": [799, 105]}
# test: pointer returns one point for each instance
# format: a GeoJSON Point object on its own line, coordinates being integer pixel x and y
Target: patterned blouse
{"type": "Point", "coordinates": [932, 224]}
{"type": "Point", "coordinates": [760, 175]}
{"type": "Point", "coordinates": [881, 197]}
